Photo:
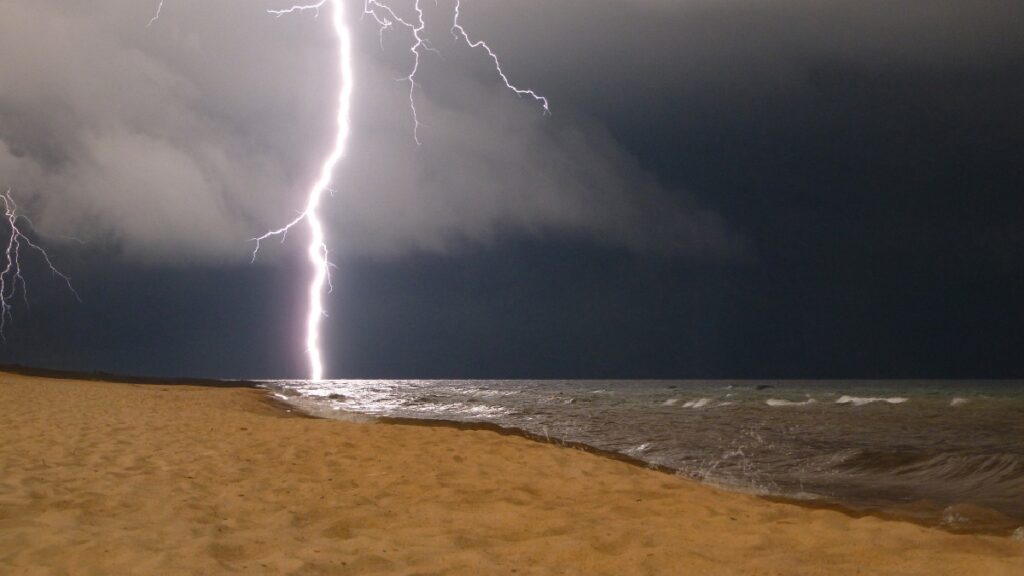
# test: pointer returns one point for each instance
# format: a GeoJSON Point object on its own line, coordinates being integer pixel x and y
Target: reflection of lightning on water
{"type": "Point", "coordinates": [386, 18]}
{"type": "Point", "coordinates": [10, 277]}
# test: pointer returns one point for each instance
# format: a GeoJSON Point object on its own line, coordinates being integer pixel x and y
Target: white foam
{"type": "Point", "coordinates": [637, 450]}
{"type": "Point", "coordinates": [861, 401]}
{"type": "Point", "coordinates": [778, 402]}
{"type": "Point", "coordinates": [960, 402]}
{"type": "Point", "coordinates": [1018, 534]}
{"type": "Point", "coordinates": [670, 402]}
{"type": "Point", "coordinates": [951, 517]}
{"type": "Point", "coordinates": [702, 402]}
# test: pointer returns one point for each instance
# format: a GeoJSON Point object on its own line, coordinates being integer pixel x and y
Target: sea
{"type": "Point", "coordinates": [941, 453]}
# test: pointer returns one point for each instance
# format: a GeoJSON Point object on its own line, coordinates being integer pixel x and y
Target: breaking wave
{"type": "Point", "coordinates": [862, 401]}
{"type": "Point", "coordinates": [778, 402]}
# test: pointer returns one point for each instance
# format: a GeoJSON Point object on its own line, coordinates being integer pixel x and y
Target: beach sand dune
{"type": "Point", "coordinates": [107, 478]}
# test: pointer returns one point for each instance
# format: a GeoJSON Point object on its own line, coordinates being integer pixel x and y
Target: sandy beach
{"type": "Point", "coordinates": [115, 478]}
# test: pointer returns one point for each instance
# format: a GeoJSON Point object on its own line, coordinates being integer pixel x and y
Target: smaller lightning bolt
{"type": "Point", "coordinates": [10, 277]}
{"type": "Point", "coordinates": [458, 30]}
{"type": "Point", "coordinates": [386, 21]}
{"type": "Point", "coordinates": [159, 8]}
{"type": "Point", "coordinates": [386, 18]}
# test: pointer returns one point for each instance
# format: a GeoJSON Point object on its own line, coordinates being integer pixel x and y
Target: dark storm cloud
{"type": "Point", "coordinates": [668, 53]}
{"type": "Point", "coordinates": [183, 140]}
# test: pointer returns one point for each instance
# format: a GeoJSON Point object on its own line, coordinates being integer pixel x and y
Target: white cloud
{"type": "Point", "coordinates": [183, 140]}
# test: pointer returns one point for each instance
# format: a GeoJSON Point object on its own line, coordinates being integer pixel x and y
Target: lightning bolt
{"type": "Point", "coordinates": [386, 19]}
{"type": "Point", "coordinates": [317, 250]}
{"type": "Point", "coordinates": [159, 8]}
{"type": "Point", "coordinates": [458, 30]}
{"type": "Point", "coordinates": [10, 277]}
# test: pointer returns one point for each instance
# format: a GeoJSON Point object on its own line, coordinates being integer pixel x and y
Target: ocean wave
{"type": "Point", "coordinates": [670, 402]}
{"type": "Point", "coordinates": [861, 401]}
{"type": "Point", "coordinates": [467, 410]}
{"type": "Point", "coordinates": [700, 403]}
{"type": "Point", "coordinates": [778, 402]}
{"type": "Point", "coordinates": [636, 451]}
{"type": "Point", "coordinates": [967, 471]}
{"type": "Point", "coordinates": [958, 401]}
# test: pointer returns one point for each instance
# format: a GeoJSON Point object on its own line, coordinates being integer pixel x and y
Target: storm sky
{"type": "Point", "coordinates": [724, 188]}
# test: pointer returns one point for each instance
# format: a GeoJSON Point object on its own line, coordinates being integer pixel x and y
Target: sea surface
{"type": "Point", "coordinates": [944, 453]}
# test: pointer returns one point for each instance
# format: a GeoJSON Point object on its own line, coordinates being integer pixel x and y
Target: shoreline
{"type": "Point", "coordinates": [810, 504]}
{"type": "Point", "coordinates": [290, 410]}
{"type": "Point", "coordinates": [117, 378]}
{"type": "Point", "coordinates": [116, 477]}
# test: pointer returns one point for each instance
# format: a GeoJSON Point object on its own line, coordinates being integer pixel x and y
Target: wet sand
{"type": "Point", "coordinates": [120, 478]}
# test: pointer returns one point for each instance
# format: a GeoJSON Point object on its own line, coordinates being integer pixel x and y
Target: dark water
{"type": "Point", "coordinates": [947, 453]}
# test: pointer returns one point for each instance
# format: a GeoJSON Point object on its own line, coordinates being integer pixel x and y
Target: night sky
{"type": "Point", "coordinates": [724, 189]}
